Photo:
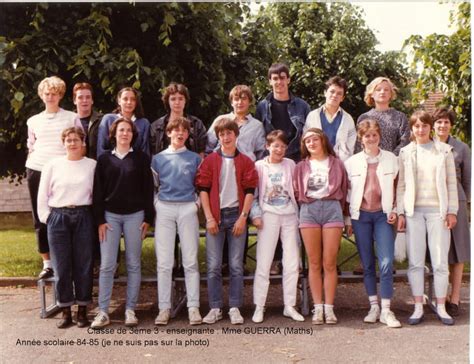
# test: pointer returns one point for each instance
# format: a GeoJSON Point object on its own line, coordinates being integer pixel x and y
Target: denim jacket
{"type": "Point", "coordinates": [298, 110]}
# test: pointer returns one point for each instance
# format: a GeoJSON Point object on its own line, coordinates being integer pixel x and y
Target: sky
{"type": "Point", "coordinates": [393, 22]}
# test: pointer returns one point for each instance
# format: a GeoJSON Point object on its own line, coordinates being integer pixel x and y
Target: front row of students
{"type": "Point", "coordinates": [320, 195]}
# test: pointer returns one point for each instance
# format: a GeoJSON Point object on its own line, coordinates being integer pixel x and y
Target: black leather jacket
{"type": "Point", "coordinates": [159, 141]}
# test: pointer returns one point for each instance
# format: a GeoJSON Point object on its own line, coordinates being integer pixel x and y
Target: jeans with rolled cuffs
{"type": "Point", "coordinates": [130, 226]}
{"type": "Point", "coordinates": [71, 237]}
{"type": "Point", "coordinates": [370, 227]}
{"type": "Point", "coordinates": [214, 249]}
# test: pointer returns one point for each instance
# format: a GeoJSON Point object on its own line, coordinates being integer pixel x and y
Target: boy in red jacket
{"type": "Point", "coordinates": [226, 180]}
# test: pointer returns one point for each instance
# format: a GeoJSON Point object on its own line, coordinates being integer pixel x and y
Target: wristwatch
{"type": "Point", "coordinates": [244, 214]}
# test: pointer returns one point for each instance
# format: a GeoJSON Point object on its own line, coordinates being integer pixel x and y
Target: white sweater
{"type": "Point", "coordinates": [44, 136]}
{"type": "Point", "coordinates": [65, 183]}
{"type": "Point", "coordinates": [446, 184]}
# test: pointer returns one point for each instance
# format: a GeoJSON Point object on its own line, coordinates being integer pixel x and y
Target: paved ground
{"type": "Point", "coordinates": [25, 338]}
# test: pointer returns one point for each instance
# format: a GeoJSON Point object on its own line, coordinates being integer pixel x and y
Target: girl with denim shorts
{"type": "Point", "coordinates": [372, 174]}
{"type": "Point", "coordinates": [275, 213]}
{"type": "Point", "coordinates": [123, 203]}
{"type": "Point", "coordinates": [320, 186]}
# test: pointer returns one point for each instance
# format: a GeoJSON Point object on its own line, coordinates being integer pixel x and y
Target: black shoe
{"type": "Point", "coordinates": [82, 320]}
{"type": "Point", "coordinates": [452, 309]}
{"type": "Point", "coordinates": [66, 320]}
{"type": "Point", "coordinates": [46, 273]}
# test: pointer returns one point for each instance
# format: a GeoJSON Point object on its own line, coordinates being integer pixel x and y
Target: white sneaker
{"type": "Point", "coordinates": [101, 320]}
{"type": "Point", "coordinates": [194, 316]}
{"type": "Point", "coordinates": [258, 314]}
{"type": "Point", "coordinates": [329, 316]}
{"type": "Point", "coordinates": [163, 317]}
{"type": "Point", "coordinates": [130, 318]}
{"type": "Point", "coordinates": [318, 313]}
{"type": "Point", "coordinates": [235, 316]}
{"type": "Point", "coordinates": [214, 315]}
{"type": "Point", "coordinates": [290, 311]}
{"type": "Point", "coordinates": [388, 318]}
{"type": "Point", "coordinates": [373, 315]}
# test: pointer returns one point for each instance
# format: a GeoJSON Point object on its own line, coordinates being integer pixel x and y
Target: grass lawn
{"type": "Point", "coordinates": [19, 258]}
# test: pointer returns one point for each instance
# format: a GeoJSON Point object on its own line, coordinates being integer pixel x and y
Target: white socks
{"type": "Point", "coordinates": [385, 304]}
{"type": "Point", "coordinates": [328, 308]}
{"type": "Point", "coordinates": [441, 310]}
{"type": "Point", "coordinates": [47, 264]}
{"type": "Point", "coordinates": [418, 313]}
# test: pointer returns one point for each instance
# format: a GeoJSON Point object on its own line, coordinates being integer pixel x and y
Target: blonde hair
{"type": "Point", "coordinates": [365, 126]}
{"type": "Point", "coordinates": [54, 84]}
{"type": "Point", "coordinates": [371, 88]}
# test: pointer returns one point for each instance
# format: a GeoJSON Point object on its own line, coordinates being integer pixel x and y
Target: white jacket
{"type": "Point", "coordinates": [387, 170]}
{"type": "Point", "coordinates": [446, 184]}
{"type": "Point", "coordinates": [346, 134]}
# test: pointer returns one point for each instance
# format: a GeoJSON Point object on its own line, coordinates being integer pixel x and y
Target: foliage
{"type": "Point", "coordinates": [143, 45]}
{"type": "Point", "coordinates": [320, 40]}
{"type": "Point", "coordinates": [210, 47]}
{"type": "Point", "coordinates": [446, 67]}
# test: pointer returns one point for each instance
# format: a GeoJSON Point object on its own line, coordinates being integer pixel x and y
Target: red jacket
{"type": "Point", "coordinates": [207, 179]}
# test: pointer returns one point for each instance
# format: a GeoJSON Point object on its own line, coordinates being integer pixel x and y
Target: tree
{"type": "Point", "coordinates": [319, 40]}
{"type": "Point", "coordinates": [210, 47]}
{"type": "Point", "coordinates": [445, 62]}
{"type": "Point", "coordinates": [143, 45]}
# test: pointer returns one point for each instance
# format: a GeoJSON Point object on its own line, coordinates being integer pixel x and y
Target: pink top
{"type": "Point", "coordinates": [372, 198]}
{"type": "Point", "coordinates": [338, 182]}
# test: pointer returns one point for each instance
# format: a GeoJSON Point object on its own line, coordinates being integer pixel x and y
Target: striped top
{"type": "Point", "coordinates": [44, 136]}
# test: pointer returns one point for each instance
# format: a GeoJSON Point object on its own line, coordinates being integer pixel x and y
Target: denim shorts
{"type": "Point", "coordinates": [321, 213]}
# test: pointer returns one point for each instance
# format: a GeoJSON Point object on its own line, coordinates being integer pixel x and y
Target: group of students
{"type": "Point", "coordinates": [288, 170]}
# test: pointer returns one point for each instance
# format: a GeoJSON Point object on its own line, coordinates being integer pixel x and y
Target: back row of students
{"type": "Point", "coordinates": [313, 193]}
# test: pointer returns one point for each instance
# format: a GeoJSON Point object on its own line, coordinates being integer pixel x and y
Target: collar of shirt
{"type": "Point", "coordinates": [132, 119]}
{"type": "Point", "coordinates": [371, 159]}
{"type": "Point", "coordinates": [247, 118]}
{"type": "Point", "coordinates": [179, 150]}
{"type": "Point", "coordinates": [116, 153]}
{"type": "Point", "coordinates": [329, 117]}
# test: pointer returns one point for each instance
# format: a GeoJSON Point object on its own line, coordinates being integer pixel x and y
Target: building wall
{"type": "Point", "coordinates": [14, 198]}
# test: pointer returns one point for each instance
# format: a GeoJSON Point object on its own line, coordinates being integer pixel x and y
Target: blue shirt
{"type": "Point", "coordinates": [174, 172]}
{"type": "Point", "coordinates": [141, 142]}
{"type": "Point", "coordinates": [330, 129]}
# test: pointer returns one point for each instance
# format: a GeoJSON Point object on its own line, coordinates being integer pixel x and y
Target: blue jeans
{"type": "Point", "coordinates": [214, 248]}
{"type": "Point", "coordinates": [373, 226]}
{"type": "Point", "coordinates": [129, 225]}
{"type": "Point", "coordinates": [71, 236]}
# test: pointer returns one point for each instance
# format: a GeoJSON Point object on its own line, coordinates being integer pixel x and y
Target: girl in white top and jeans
{"type": "Point", "coordinates": [65, 204]}
{"type": "Point", "coordinates": [372, 174]}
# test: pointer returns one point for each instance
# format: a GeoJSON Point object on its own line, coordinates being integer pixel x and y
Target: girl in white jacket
{"type": "Point", "coordinates": [427, 203]}
{"type": "Point", "coordinates": [372, 174]}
